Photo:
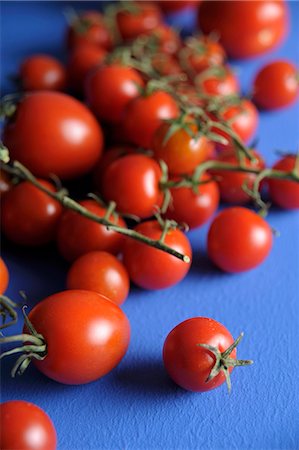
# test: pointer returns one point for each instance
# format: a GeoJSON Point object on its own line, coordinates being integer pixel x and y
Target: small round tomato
{"type": "Point", "coordinates": [89, 28]}
{"type": "Point", "coordinates": [284, 193]}
{"type": "Point", "coordinates": [247, 28]}
{"type": "Point", "coordinates": [137, 18]}
{"type": "Point", "coordinates": [144, 115]}
{"type": "Point", "coordinates": [276, 85]}
{"type": "Point", "coordinates": [25, 426]}
{"type": "Point", "coordinates": [53, 133]}
{"type": "Point", "coordinates": [165, 64]}
{"type": "Point", "coordinates": [239, 240]}
{"type": "Point", "coordinates": [29, 216]}
{"type": "Point", "coordinates": [100, 272]}
{"type": "Point", "coordinates": [5, 183]}
{"type": "Point", "coordinates": [42, 72]}
{"type": "Point", "coordinates": [164, 39]}
{"type": "Point", "coordinates": [109, 89]}
{"type": "Point", "coordinates": [77, 235]}
{"type": "Point", "coordinates": [4, 276]}
{"type": "Point", "coordinates": [169, 6]}
{"type": "Point", "coordinates": [217, 80]}
{"type": "Point", "coordinates": [132, 182]}
{"type": "Point", "coordinates": [150, 268]}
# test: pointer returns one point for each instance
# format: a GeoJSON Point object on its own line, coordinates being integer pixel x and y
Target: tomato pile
{"type": "Point", "coordinates": [156, 127]}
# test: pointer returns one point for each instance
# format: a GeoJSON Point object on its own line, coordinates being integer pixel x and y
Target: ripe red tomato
{"type": "Point", "coordinates": [4, 276]}
{"type": "Point", "coordinates": [276, 85]}
{"type": "Point", "coordinates": [217, 80]}
{"type": "Point", "coordinates": [100, 272]}
{"type": "Point", "coordinates": [150, 268]}
{"type": "Point", "coordinates": [190, 365]}
{"type": "Point", "coordinates": [29, 216]}
{"type": "Point", "coordinates": [108, 90]}
{"type": "Point", "coordinates": [164, 39]}
{"type": "Point", "coordinates": [165, 64]}
{"type": "Point", "coordinates": [284, 193]}
{"type": "Point", "coordinates": [42, 72]}
{"type": "Point", "coordinates": [94, 341]}
{"type": "Point", "coordinates": [53, 133]}
{"type": "Point", "coordinates": [169, 6]}
{"type": "Point", "coordinates": [144, 115]}
{"type": "Point", "coordinates": [133, 183]}
{"type": "Point", "coordinates": [247, 28]}
{"type": "Point", "coordinates": [239, 240]}
{"type": "Point", "coordinates": [5, 183]}
{"type": "Point", "coordinates": [137, 18]}
{"type": "Point", "coordinates": [25, 426]}
{"type": "Point", "coordinates": [89, 28]}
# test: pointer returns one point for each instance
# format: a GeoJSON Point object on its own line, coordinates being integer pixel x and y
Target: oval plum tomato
{"type": "Point", "coordinates": [5, 183]}
{"type": "Point", "coordinates": [246, 28]}
{"type": "Point", "coordinates": [100, 272]}
{"type": "Point", "coordinates": [89, 28]}
{"type": "Point", "coordinates": [108, 90]}
{"type": "Point", "coordinates": [192, 366]}
{"type": "Point", "coordinates": [276, 85]}
{"type": "Point", "coordinates": [77, 235]}
{"type": "Point", "coordinates": [169, 6]}
{"type": "Point", "coordinates": [284, 193]}
{"type": "Point", "coordinates": [239, 240]}
{"type": "Point", "coordinates": [29, 216]}
{"type": "Point", "coordinates": [4, 276]}
{"type": "Point", "coordinates": [217, 80]}
{"type": "Point", "coordinates": [144, 115]}
{"type": "Point", "coordinates": [94, 341]}
{"type": "Point", "coordinates": [137, 18]}
{"type": "Point", "coordinates": [191, 207]}
{"type": "Point", "coordinates": [25, 426]}
{"type": "Point", "coordinates": [42, 72]}
{"type": "Point", "coordinates": [53, 133]}
{"type": "Point", "coordinates": [150, 268]}
{"type": "Point", "coordinates": [132, 182]}
{"type": "Point", "coordinates": [231, 183]}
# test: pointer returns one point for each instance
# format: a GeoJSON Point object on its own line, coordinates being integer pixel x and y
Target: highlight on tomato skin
{"type": "Point", "coordinates": [42, 72]}
{"type": "Point", "coordinates": [284, 193]}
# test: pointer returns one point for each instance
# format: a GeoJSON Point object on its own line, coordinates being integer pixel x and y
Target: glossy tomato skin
{"type": "Point", "coordinates": [284, 193]}
{"type": "Point", "coordinates": [29, 216]}
{"type": "Point", "coordinates": [25, 426]}
{"type": "Point", "coordinates": [150, 268]}
{"type": "Point", "coordinates": [5, 183]}
{"type": "Point", "coordinates": [90, 28]}
{"type": "Point", "coordinates": [77, 235]}
{"type": "Point", "coordinates": [93, 343]}
{"type": "Point", "coordinates": [276, 85]}
{"type": "Point", "coordinates": [248, 28]}
{"type": "Point", "coordinates": [109, 89]}
{"type": "Point", "coordinates": [217, 81]}
{"type": "Point", "coordinates": [133, 183]}
{"type": "Point", "coordinates": [42, 72]}
{"type": "Point", "coordinates": [100, 272]}
{"type": "Point", "coordinates": [188, 364]}
{"type": "Point", "coordinates": [4, 276]}
{"type": "Point", "coordinates": [53, 133]}
{"type": "Point", "coordinates": [145, 18]}
{"type": "Point", "coordinates": [239, 240]}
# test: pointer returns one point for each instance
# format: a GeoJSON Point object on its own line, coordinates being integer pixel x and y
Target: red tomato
{"type": "Point", "coordinates": [95, 339]}
{"type": "Point", "coordinates": [89, 28]}
{"type": "Point", "coordinates": [77, 235]}
{"type": "Point", "coordinates": [217, 80]}
{"type": "Point", "coordinates": [284, 193]}
{"type": "Point", "coordinates": [188, 364]}
{"type": "Point", "coordinates": [25, 426]}
{"type": "Point", "coordinates": [42, 72]}
{"type": "Point", "coordinates": [108, 90]}
{"type": "Point", "coordinates": [133, 183]}
{"type": "Point", "coordinates": [164, 39]}
{"type": "Point", "coordinates": [29, 216]}
{"type": "Point", "coordinates": [192, 208]}
{"type": "Point", "coordinates": [54, 133]}
{"type": "Point", "coordinates": [144, 115]}
{"type": "Point", "coordinates": [276, 85]}
{"type": "Point", "coordinates": [150, 268]}
{"type": "Point", "coordinates": [247, 28]}
{"type": "Point", "coordinates": [239, 240]}
{"type": "Point", "coordinates": [165, 64]}
{"type": "Point", "coordinates": [137, 18]}
{"type": "Point", "coordinates": [100, 272]}
{"type": "Point", "coordinates": [5, 183]}
{"type": "Point", "coordinates": [169, 6]}
{"type": "Point", "coordinates": [4, 276]}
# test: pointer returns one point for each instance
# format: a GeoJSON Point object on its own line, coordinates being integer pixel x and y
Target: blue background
{"type": "Point", "coordinates": [137, 406]}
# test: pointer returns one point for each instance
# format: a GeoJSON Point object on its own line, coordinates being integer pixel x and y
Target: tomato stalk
{"type": "Point", "coordinates": [8, 309]}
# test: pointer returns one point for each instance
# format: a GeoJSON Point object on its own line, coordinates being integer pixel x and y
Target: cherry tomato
{"type": "Point", "coordinates": [144, 115]}
{"type": "Point", "coordinates": [89, 28]}
{"type": "Point", "coordinates": [217, 80]}
{"type": "Point", "coordinates": [109, 89]}
{"type": "Point", "coordinates": [165, 64]}
{"type": "Point", "coordinates": [25, 426]}
{"type": "Point", "coordinates": [29, 216]}
{"type": "Point", "coordinates": [169, 6]}
{"type": "Point", "coordinates": [5, 183]}
{"type": "Point", "coordinates": [239, 240]}
{"type": "Point", "coordinates": [150, 268]}
{"type": "Point", "coordinates": [276, 85]}
{"type": "Point", "coordinates": [187, 363]}
{"type": "Point", "coordinates": [77, 235]}
{"type": "Point", "coordinates": [133, 183]}
{"type": "Point", "coordinates": [42, 72]}
{"type": "Point", "coordinates": [164, 39]}
{"type": "Point", "coordinates": [4, 276]}
{"type": "Point", "coordinates": [193, 208]}
{"type": "Point", "coordinates": [54, 133]}
{"type": "Point", "coordinates": [100, 272]}
{"type": "Point", "coordinates": [94, 341]}
{"type": "Point", "coordinates": [284, 193]}
{"type": "Point", "coordinates": [137, 18]}
{"type": "Point", "coordinates": [247, 28]}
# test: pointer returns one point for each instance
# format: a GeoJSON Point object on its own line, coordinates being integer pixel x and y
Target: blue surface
{"type": "Point", "coordinates": [137, 406]}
